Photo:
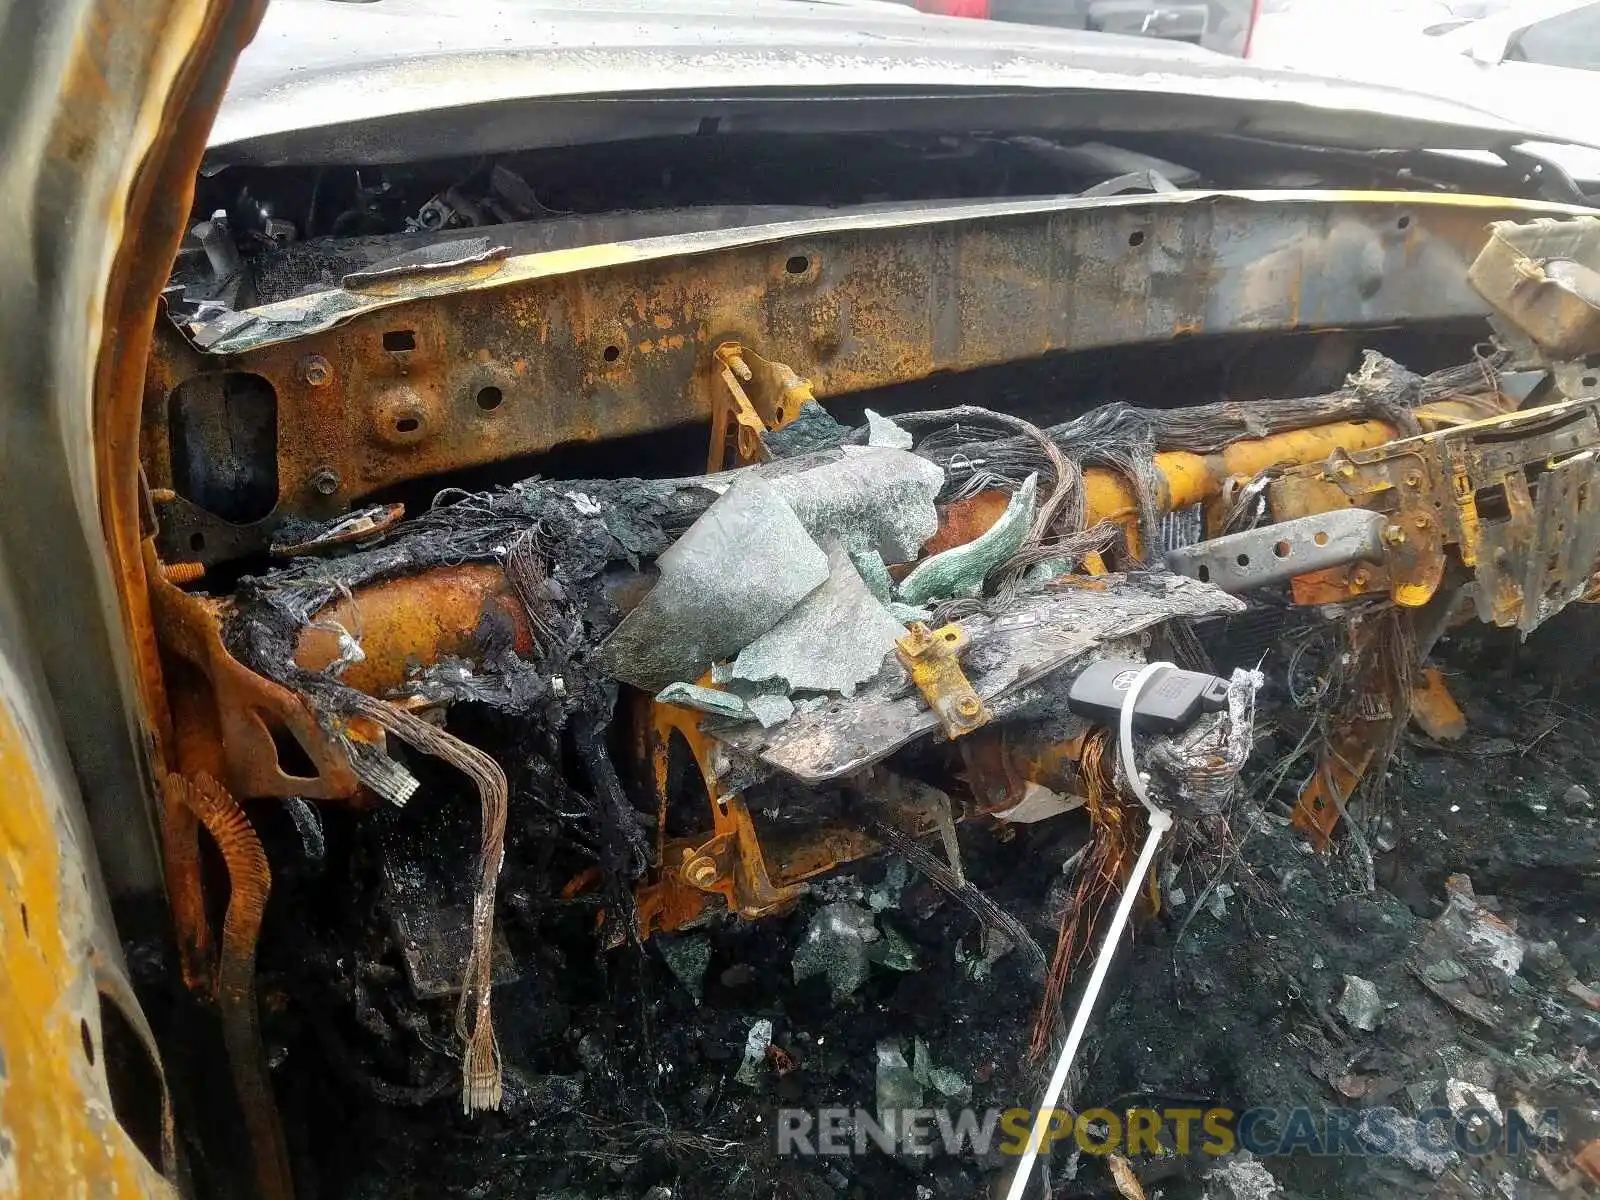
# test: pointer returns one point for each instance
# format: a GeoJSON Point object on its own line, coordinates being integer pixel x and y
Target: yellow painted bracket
{"type": "Point", "coordinates": [933, 660]}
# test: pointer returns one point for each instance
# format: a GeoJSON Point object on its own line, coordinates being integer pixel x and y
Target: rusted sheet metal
{"type": "Point", "coordinates": [591, 344]}
{"type": "Point", "coordinates": [403, 624]}
{"type": "Point", "coordinates": [962, 521]}
{"type": "Point", "coordinates": [241, 710]}
{"type": "Point", "coordinates": [1517, 495]}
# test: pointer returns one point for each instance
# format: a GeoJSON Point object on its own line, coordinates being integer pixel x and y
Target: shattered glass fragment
{"type": "Point", "coordinates": [704, 699]}
{"type": "Point", "coordinates": [868, 498]}
{"type": "Point", "coordinates": [893, 951]}
{"type": "Point", "coordinates": [834, 639]}
{"type": "Point", "coordinates": [687, 956]}
{"type": "Point", "coordinates": [770, 708]}
{"type": "Point", "coordinates": [896, 874]}
{"type": "Point", "coordinates": [756, 1044]}
{"type": "Point", "coordinates": [731, 577]}
{"type": "Point", "coordinates": [978, 961]}
{"type": "Point", "coordinates": [1217, 904]}
{"type": "Point", "coordinates": [881, 431]}
{"type": "Point", "coordinates": [898, 1091]}
{"type": "Point", "coordinates": [946, 1082]}
{"type": "Point", "coordinates": [1359, 1003]}
{"type": "Point", "coordinates": [908, 614]}
{"type": "Point", "coordinates": [836, 946]}
{"type": "Point", "coordinates": [1446, 970]}
{"type": "Point", "coordinates": [870, 566]}
{"type": "Point", "coordinates": [961, 570]}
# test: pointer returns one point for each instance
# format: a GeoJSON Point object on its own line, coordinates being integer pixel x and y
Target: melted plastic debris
{"type": "Point", "coordinates": [881, 431]}
{"type": "Point", "coordinates": [706, 700]}
{"type": "Point", "coordinates": [731, 577]}
{"type": "Point", "coordinates": [961, 570]}
{"type": "Point", "coordinates": [1201, 764]}
{"type": "Point", "coordinates": [687, 956]}
{"type": "Point", "coordinates": [836, 946]}
{"type": "Point", "coordinates": [756, 1044]}
{"type": "Point", "coordinates": [1413, 1142]}
{"type": "Point", "coordinates": [1242, 1178]}
{"type": "Point", "coordinates": [1038, 803]}
{"type": "Point", "coordinates": [834, 639]}
{"type": "Point", "coordinates": [1481, 935]}
{"type": "Point", "coordinates": [868, 498]}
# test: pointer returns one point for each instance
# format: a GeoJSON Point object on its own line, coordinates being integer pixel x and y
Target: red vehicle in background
{"type": "Point", "coordinates": [1222, 25]}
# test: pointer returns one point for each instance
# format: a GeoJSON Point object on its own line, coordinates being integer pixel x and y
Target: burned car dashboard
{"type": "Point", "coordinates": [668, 560]}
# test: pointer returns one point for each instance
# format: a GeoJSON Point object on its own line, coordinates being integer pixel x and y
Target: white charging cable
{"type": "Point", "coordinates": [1160, 822]}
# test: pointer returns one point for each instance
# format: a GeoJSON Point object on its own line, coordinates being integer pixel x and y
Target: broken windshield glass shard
{"type": "Point", "coordinates": [881, 431]}
{"type": "Point", "coordinates": [833, 640]}
{"type": "Point", "coordinates": [756, 1044]}
{"type": "Point", "coordinates": [893, 950]}
{"type": "Point", "coordinates": [836, 947]}
{"type": "Point", "coordinates": [731, 577]}
{"type": "Point", "coordinates": [946, 1082]}
{"type": "Point", "coordinates": [898, 1092]}
{"type": "Point", "coordinates": [770, 708]}
{"type": "Point", "coordinates": [868, 498]}
{"type": "Point", "coordinates": [874, 573]}
{"type": "Point", "coordinates": [704, 699]}
{"type": "Point", "coordinates": [687, 956]}
{"type": "Point", "coordinates": [961, 570]}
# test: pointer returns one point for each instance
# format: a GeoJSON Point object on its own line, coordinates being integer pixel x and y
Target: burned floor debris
{"type": "Point", "coordinates": [613, 826]}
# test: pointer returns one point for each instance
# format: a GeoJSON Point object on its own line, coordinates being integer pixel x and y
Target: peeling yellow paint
{"type": "Point", "coordinates": [58, 1138]}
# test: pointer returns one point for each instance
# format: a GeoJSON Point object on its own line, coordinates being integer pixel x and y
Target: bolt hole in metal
{"type": "Point", "coordinates": [1403, 223]}
{"type": "Point", "coordinates": [1136, 238]}
{"type": "Point", "coordinates": [197, 541]}
{"type": "Point", "coordinates": [398, 340]}
{"type": "Point", "coordinates": [490, 398]}
{"type": "Point", "coordinates": [1281, 549]}
{"type": "Point", "coordinates": [798, 264]}
{"type": "Point", "coordinates": [407, 425]}
{"type": "Point", "coordinates": [612, 353]}
{"type": "Point", "coordinates": [1589, 381]}
{"type": "Point", "coordinates": [1320, 538]}
{"type": "Point", "coordinates": [1204, 573]}
{"type": "Point", "coordinates": [1243, 560]}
